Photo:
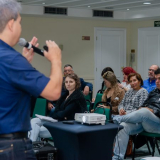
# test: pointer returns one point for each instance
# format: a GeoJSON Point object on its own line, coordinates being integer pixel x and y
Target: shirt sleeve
{"type": "Point", "coordinates": [23, 76]}
{"type": "Point", "coordinates": [83, 84]}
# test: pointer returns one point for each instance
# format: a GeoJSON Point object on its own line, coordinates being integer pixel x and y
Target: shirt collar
{"type": "Point", "coordinates": [153, 81]}
{"type": "Point", "coordinates": [2, 43]}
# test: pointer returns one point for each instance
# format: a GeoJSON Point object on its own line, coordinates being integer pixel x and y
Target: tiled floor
{"type": "Point", "coordinates": [143, 152]}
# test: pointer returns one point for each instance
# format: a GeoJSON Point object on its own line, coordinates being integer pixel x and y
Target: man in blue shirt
{"type": "Point", "coordinates": [19, 80]}
{"type": "Point", "coordinates": [150, 83]}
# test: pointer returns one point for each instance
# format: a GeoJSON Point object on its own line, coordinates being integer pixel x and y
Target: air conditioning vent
{"type": "Point", "coordinates": [99, 13]}
{"type": "Point", "coordinates": [56, 11]}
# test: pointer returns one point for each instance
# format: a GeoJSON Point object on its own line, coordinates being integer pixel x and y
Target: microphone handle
{"type": "Point", "coordinates": [37, 50]}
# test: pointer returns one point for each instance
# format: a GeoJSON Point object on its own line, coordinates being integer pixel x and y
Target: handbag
{"type": "Point", "coordinates": [44, 151]}
{"type": "Point", "coordinates": [129, 147]}
{"type": "Point", "coordinates": [104, 111]}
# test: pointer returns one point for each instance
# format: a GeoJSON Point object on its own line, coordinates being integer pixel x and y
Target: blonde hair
{"type": "Point", "coordinates": [110, 76]}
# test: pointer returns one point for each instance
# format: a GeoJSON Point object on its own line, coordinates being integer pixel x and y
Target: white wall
{"type": "Point", "coordinates": [68, 32]}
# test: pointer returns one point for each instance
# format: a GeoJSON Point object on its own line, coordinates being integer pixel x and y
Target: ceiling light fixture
{"type": "Point", "coordinates": [127, 9]}
{"type": "Point", "coordinates": [146, 3]}
{"type": "Point", "coordinates": [89, 6]}
{"type": "Point", "coordinates": [43, 3]}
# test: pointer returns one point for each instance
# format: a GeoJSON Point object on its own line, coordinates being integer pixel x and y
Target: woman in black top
{"type": "Point", "coordinates": [71, 102]}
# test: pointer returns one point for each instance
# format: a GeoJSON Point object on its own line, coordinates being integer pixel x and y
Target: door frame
{"type": "Point", "coordinates": [95, 49]}
{"type": "Point", "coordinates": [140, 57]}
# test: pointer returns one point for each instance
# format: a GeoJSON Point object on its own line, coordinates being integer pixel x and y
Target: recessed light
{"type": "Point", "coordinates": [127, 9]}
{"type": "Point", "coordinates": [146, 3]}
{"type": "Point", "coordinates": [43, 3]}
{"type": "Point", "coordinates": [89, 6]}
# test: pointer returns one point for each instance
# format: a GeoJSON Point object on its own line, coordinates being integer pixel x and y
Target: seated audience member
{"type": "Point", "coordinates": [147, 118]}
{"type": "Point", "coordinates": [85, 86]}
{"type": "Point", "coordinates": [102, 73]}
{"type": "Point", "coordinates": [113, 94]}
{"type": "Point", "coordinates": [150, 83]}
{"type": "Point", "coordinates": [125, 84]}
{"type": "Point", "coordinates": [134, 97]}
{"type": "Point", "coordinates": [71, 102]}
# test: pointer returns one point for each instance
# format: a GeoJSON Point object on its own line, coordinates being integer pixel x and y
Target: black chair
{"type": "Point", "coordinates": [153, 137]}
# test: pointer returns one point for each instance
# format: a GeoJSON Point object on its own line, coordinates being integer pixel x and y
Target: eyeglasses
{"type": "Point", "coordinates": [151, 70]}
{"type": "Point", "coordinates": [67, 70]}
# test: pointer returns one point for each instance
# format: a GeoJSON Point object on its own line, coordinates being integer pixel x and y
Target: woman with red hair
{"type": "Point", "coordinates": [125, 84]}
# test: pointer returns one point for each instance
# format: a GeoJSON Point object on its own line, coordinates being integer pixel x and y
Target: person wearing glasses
{"type": "Point", "coordinates": [146, 118]}
{"type": "Point", "coordinates": [150, 83]}
{"type": "Point", "coordinates": [85, 86]}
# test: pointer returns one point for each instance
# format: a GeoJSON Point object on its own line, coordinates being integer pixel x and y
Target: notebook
{"type": "Point", "coordinates": [46, 118]}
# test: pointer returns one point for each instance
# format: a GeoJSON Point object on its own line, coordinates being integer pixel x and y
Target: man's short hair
{"type": "Point", "coordinates": [9, 9]}
{"type": "Point", "coordinates": [157, 71]}
{"type": "Point", "coordinates": [68, 65]}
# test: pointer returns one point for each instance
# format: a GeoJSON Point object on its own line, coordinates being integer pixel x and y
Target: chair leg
{"type": "Point", "coordinates": [157, 146]}
{"type": "Point", "coordinates": [153, 146]}
{"type": "Point", "coordinates": [148, 146]}
{"type": "Point", "coordinates": [134, 142]}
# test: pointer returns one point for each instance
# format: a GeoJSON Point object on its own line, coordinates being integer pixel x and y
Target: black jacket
{"type": "Point", "coordinates": [153, 101]}
{"type": "Point", "coordinates": [75, 103]}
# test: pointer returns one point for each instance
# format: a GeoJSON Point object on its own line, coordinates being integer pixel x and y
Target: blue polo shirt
{"type": "Point", "coordinates": [18, 80]}
{"type": "Point", "coordinates": [149, 86]}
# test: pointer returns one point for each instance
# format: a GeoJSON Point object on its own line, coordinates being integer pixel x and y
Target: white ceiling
{"type": "Point", "coordinates": [83, 8]}
{"type": "Point", "coordinates": [115, 5]}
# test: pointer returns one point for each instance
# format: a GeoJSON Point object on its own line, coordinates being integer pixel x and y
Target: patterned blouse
{"type": "Point", "coordinates": [133, 100]}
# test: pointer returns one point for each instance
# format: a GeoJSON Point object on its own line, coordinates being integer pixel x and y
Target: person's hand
{"type": "Point", "coordinates": [54, 52]}
{"type": "Point", "coordinates": [148, 109]}
{"type": "Point", "coordinates": [100, 105]}
{"type": "Point", "coordinates": [29, 53]}
{"type": "Point", "coordinates": [86, 90]}
{"type": "Point", "coordinates": [50, 106]}
{"type": "Point", "coordinates": [122, 112]}
{"type": "Point", "coordinates": [93, 100]}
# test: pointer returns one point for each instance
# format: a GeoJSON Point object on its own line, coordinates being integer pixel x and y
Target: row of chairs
{"type": "Point", "coordinates": [40, 108]}
{"type": "Point", "coordinates": [107, 112]}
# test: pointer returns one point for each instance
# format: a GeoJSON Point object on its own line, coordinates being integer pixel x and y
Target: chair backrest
{"type": "Point", "coordinates": [88, 105]}
{"type": "Point", "coordinates": [40, 107]}
{"type": "Point", "coordinates": [89, 96]}
{"type": "Point", "coordinates": [97, 99]}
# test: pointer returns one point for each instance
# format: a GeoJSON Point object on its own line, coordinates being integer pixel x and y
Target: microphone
{"type": "Point", "coordinates": [22, 42]}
